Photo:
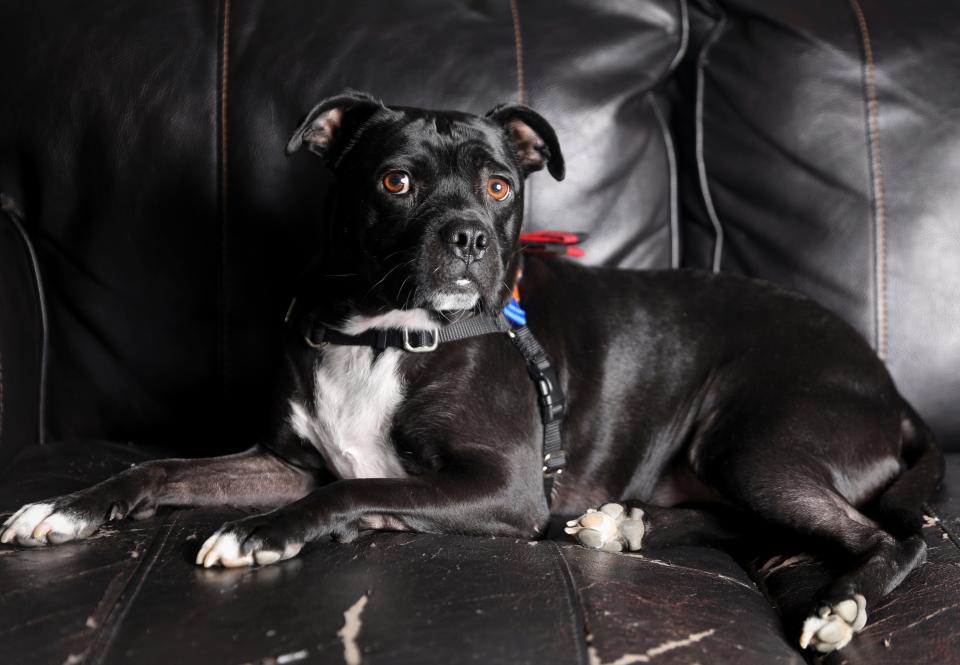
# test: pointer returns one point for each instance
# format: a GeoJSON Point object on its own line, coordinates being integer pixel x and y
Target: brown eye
{"type": "Point", "coordinates": [396, 182]}
{"type": "Point", "coordinates": [498, 188]}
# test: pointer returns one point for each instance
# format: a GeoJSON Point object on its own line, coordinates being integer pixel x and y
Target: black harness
{"type": "Point", "coordinates": [549, 392]}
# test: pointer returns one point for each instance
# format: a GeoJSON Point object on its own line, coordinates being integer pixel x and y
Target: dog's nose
{"type": "Point", "coordinates": [467, 240]}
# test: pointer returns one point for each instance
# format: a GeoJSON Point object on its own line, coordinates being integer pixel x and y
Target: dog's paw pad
{"type": "Point", "coordinates": [832, 627]}
{"type": "Point", "coordinates": [609, 529]}
{"type": "Point", "coordinates": [42, 524]}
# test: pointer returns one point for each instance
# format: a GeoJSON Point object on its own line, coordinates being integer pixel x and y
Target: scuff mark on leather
{"type": "Point", "coordinates": [351, 629]}
{"type": "Point", "coordinates": [650, 654]}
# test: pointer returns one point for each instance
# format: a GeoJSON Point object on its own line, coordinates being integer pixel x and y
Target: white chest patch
{"type": "Point", "coordinates": [356, 398]}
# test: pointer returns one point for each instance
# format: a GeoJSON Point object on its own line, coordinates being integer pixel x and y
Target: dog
{"type": "Point", "coordinates": [682, 387]}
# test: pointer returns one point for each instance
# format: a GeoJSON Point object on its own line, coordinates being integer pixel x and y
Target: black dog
{"type": "Point", "coordinates": [681, 386]}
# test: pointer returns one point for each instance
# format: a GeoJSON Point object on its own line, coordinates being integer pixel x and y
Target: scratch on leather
{"type": "Point", "coordinates": [687, 569]}
{"type": "Point", "coordinates": [350, 631]}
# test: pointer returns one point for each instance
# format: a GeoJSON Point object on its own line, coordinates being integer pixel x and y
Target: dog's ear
{"type": "Point", "coordinates": [533, 138]}
{"type": "Point", "coordinates": [332, 121]}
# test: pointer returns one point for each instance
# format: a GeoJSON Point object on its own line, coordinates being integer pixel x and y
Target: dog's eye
{"type": "Point", "coordinates": [498, 188]}
{"type": "Point", "coordinates": [396, 182]}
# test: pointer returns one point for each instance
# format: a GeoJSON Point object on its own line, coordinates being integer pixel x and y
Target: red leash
{"type": "Point", "coordinates": [553, 243]}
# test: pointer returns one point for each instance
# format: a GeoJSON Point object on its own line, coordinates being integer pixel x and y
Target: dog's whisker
{"type": "Point", "coordinates": [402, 284]}
{"type": "Point", "coordinates": [383, 279]}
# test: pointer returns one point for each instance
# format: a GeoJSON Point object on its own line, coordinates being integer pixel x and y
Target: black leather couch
{"type": "Point", "coordinates": [152, 232]}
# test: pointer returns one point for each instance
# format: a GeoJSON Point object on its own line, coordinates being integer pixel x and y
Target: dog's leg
{"type": "Point", "coordinates": [884, 562]}
{"type": "Point", "coordinates": [435, 503]}
{"type": "Point", "coordinates": [808, 505]}
{"type": "Point", "coordinates": [252, 478]}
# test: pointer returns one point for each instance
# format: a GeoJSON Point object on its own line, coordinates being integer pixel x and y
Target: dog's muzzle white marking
{"type": "Point", "coordinates": [446, 302]}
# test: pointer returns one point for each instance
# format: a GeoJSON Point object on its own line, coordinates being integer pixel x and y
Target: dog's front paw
{"type": "Point", "coordinates": [610, 528]}
{"type": "Point", "coordinates": [831, 627]}
{"type": "Point", "coordinates": [261, 540]}
{"type": "Point", "coordinates": [49, 523]}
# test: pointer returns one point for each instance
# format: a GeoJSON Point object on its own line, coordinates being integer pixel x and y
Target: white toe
{"type": "Point", "coordinates": [206, 547]}
{"type": "Point", "coordinates": [861, 619]}
{"type": "Point", "coordinates": [614, 510]}
{"type": "Point", "coordinates": [832, 628]}
{"type": "Point", "coordinates": [266, 557]}
{"type": "Point", "coordinates": [22, 525]}
{"type": "Point", "coordinates": [846, 610]}
{"type": "Point", "coordinates": [836, 630]}
{"type": "Point", "coordinates": [59, 528]}
{"type": "Point", "coordinates": [810, 628]}
{"type": "Point", "coordinates": [223, 549]}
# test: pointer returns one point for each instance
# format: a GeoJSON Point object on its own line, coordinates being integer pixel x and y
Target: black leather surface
{"type": "Point", "coordinates": [170, 226]}
{"type": "Point", "coordinates": [809, 191]}
{"type": "Point", "coordinates": [21, 339]}
{"type": "Point", "coordinates": [107, 123]}
{"type": "Point", "coordinates": [133, 594]}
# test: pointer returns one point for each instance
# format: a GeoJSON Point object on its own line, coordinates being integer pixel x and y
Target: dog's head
{"type": "Point", "coordinates": [428, 204]}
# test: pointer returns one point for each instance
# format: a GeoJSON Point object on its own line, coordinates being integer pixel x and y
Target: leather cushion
{"type": "Point", "coordinates": [133, 593]}
{"type": "Point", "coordinates": [818, 183]}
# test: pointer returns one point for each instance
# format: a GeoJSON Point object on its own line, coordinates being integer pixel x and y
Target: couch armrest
{"type": "Point", "coordinates": [22, 335]}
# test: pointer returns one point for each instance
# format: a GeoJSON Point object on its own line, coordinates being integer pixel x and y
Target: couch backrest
{"type": "Point", "coordinates": [820, 148]}
{"type": "Point", "coordinates": [144, 145]}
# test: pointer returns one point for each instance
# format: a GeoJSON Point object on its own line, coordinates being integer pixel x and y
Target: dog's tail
{"type": "Point", "coordinates": [900, 508]}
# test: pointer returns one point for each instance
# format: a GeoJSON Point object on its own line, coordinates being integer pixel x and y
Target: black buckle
{"type": "Point", "coordinates": [550, 393]}
{"type": "Point", "coordinates": [553, 463]}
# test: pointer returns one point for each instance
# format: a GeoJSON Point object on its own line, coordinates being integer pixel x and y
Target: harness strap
{"type": "Point", "coordinates": [541, 369]}
{"type": "Point", "coordinates": [552, 403]}
{"type": "Point", "coordinates": [415, 341]}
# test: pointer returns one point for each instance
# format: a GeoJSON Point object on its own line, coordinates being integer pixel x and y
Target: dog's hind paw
{"type": "Point", "coordinates": [610, 528]}
{"type": "Point", "coordinates": [831, 627]}
{"type": "Point", "coordinates": [39, 524]}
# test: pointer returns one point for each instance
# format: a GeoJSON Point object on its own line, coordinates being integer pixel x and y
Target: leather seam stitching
{"type": "Point", "coordinates": [701, 161]}
{"type": "Point", "coordinates": [877, 182]}
{"type": "Point", "coordinates": [518, 48]}
{"type": "Point", "coordinates": [222, 155]}
{"type": "Point", "coordinates": [574, 603]}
